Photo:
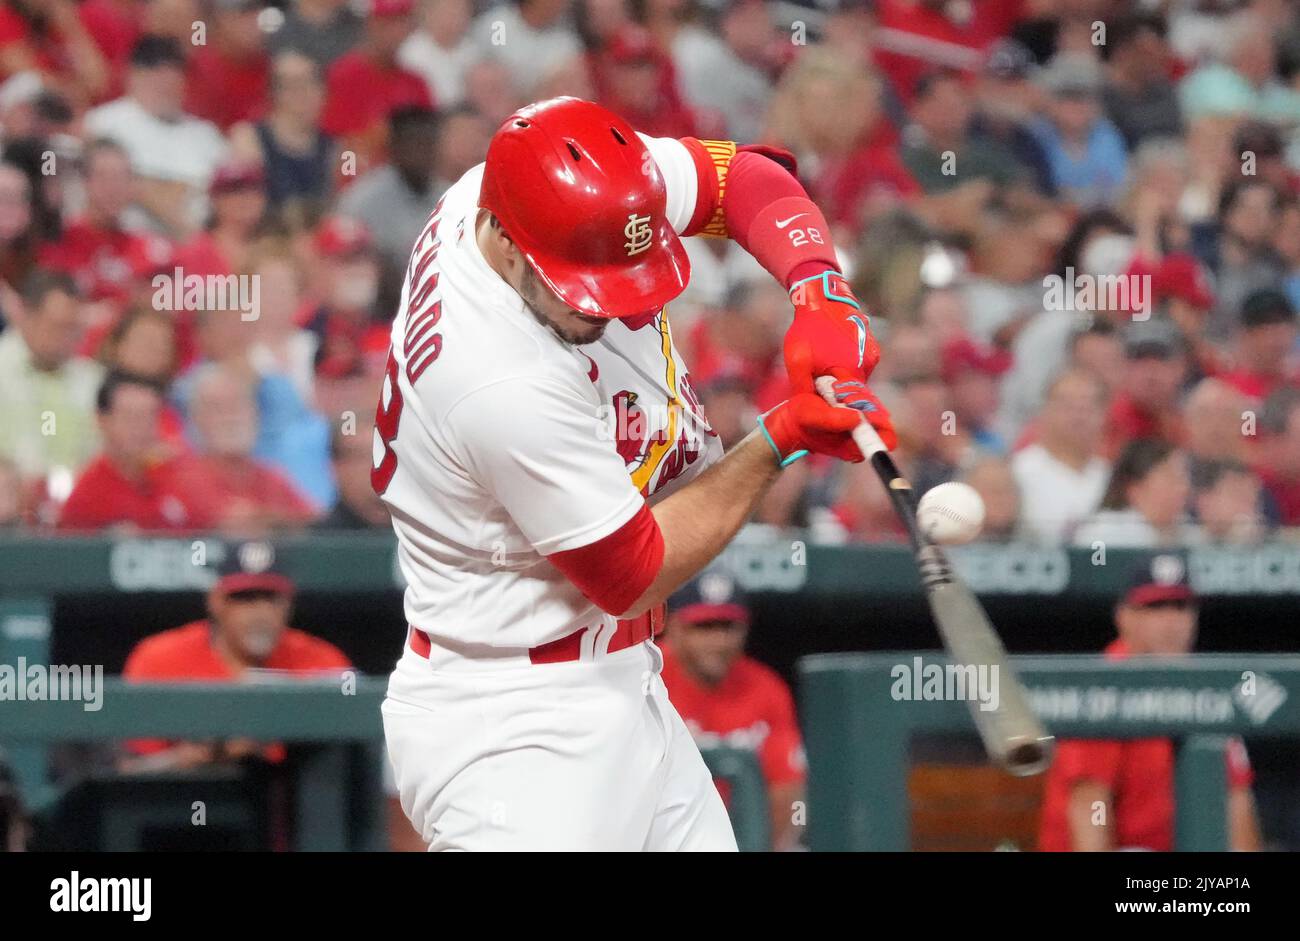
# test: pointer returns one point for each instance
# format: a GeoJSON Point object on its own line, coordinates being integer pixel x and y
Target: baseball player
{"type": "Point", "coordinates": [1104, 794]}
{"type": "Point", "coordinates": [552, 480]}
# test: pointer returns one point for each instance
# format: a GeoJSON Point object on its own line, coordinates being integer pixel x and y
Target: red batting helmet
{"type": "Point", "coordinates": [578, 192]}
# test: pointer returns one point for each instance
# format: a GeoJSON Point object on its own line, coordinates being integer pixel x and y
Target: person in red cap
{"type": "Point", "coordinates": [552, 478]}
{"type": "Point", "coordinates": [1119, 794]}
{"type": "Point", "coordinates": [635, 78]}
{"type": "Point", "coordinates": [247, 629]}
{"type": "Point", "coordinates": [727, 698]}
{"type": "Point", "coordinates": [972, 372]}
{"type": "Point", "coordinates": [228, 78]}
{"type": "Point", "coordinates": [364, 85]}
{"type": "Point", "coordinates": [347, 335]}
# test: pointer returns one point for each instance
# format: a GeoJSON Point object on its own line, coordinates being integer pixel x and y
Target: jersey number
{"type": "Point", "coordinates": [386, 418]}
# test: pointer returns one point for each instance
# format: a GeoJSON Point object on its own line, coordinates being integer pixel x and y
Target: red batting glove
{"type": "Point", "coordinates": [830, 336]}
{"type": "Point", "coordinates": [854, 394]}
{"type": "Point", "coordinates": [805, 422]}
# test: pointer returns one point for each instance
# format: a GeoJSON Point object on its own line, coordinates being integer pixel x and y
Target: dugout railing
{"type": "Point", "coordinates": [862, 712]}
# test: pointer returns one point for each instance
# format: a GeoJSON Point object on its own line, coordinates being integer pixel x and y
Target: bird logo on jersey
{"type": "Point", "coordinates": [639, 234]}
{"type": "Point", "coordinates": [632, 432]}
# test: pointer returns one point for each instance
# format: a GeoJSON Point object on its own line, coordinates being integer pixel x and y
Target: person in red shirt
{"type": "Point", "coordinates": [228, 79]}
{"type": "Point", "coordinates": [349, 340]}
{"type": "Point", "coordinates": [1264, 345]}
{"type": "Point", "coordinates": [1119, 794]}
{"type": "Point", "coordinates": [130, 484]}
{"type": "Point", "coordinates": [1146, 403]}
{"type": "Point", "coordinates": [223, 484]}
{"type": "Point", "coordinates": [727, 698]}
{"type": "Point", "coordinates": [94, 248]}
{"type": "Point", "coordinates": [247, 630]}
{"type": "Point", "coordinates": [364, 85]}
{"type": "Point", "coordinates": [633, 77]}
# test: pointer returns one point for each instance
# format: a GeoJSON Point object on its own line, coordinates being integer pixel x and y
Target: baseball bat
{"type": "Point", "coordinates": [1013, 736]}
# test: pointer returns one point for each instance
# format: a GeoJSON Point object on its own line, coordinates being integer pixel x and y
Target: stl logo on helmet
{"type": "Point", "coordinates": [639, 234]}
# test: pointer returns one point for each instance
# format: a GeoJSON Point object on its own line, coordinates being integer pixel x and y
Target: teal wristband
{"type": "Point", "coordinates": [785, 461]}
{"type": "Point", "coordinates": [827, 291]}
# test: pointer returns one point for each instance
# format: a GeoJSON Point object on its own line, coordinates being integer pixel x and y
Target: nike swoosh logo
{"type": "Point", "coordinates": [862, 338]}
{"type": "Point", "coordinates": [782, 223]}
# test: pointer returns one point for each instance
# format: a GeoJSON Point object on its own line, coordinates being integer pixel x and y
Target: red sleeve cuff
{"type": "Point", "coordinates": [613, 572]}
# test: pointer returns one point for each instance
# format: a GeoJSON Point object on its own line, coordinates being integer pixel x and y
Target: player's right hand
{"type": "Point", "coordinates": [806, 423]}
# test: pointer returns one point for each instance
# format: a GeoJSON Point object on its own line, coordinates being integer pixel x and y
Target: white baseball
{"type": "Point", "coordinates": [951, 513]}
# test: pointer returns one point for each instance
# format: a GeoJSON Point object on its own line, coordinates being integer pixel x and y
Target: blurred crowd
{"type": "Point", "coordinates": [1076, 224]}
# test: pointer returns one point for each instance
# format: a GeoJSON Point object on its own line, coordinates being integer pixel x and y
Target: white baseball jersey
{"type": "Point", "coordinates": [497, 444]}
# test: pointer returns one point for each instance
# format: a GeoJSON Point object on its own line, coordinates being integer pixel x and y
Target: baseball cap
{"type": "Point", "coordinates": [713, 595]}
{"type": "Point", "coordinates": [964, 355]}
{"type": "Point", "coordinates": [1180, 275]}
{"type": "Point", "coordinates": [1152, 339]}
{"type": "Point", "coordinates": [1157, 578]}
{"type": "Point", "coordinates": [342, 236]}
{"type": "Point", "coordinates": [236, 175]}
{"type": "Point", "coordinates": [252, 566]}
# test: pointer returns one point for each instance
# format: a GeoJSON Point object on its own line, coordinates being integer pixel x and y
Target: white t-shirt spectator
{"type": "Point", "coordinates": [443, 70]}
{"type": "Point", "coordinates": [186, 150]}
{"type": "Point", "coordinates": [530, 54]}
{"type": "Point", "coordinates": [1054, 497]}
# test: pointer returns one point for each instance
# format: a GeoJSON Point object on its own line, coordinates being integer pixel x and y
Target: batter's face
{"type": "Point", "coordinates": [505, 258]}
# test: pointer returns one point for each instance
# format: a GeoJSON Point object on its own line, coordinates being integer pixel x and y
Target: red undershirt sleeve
{"type": "Point", "coordinates": [613, 572]}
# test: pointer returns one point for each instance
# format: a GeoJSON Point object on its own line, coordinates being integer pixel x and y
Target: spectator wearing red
{"type": "Point", "coordinates": [238, 196]}
{"type": "Point", "coordinates": [1279, 455]}
{"type": "Point", "coordinates": [348, 337]}
{"type": "Point", "coordinates": [742, 340]}
{"type": "Point", "coordinates": [973, 372]}
{"type": "Point", "coordinates": [914, 37]}
{"type": "Point", "coordinates": [727, 698]}
{"type": "Point", "coordinates": [1180, 286]}
{"type": "Point", "coordinates": [635, 78]}
{"type": "Point", "coordinates": [1119, 794]}
{"type": "Point", "coordinates": [1265, 345]}
{"type": "Point", "coordinates": [94, 247]}
{"type": "Point", "coordinates": [227, 79]}
{"type": "Point", "coordinates": [364, 85]}
{"type": "Point", "coordinates": [850, 151]}
{"type": "Point", "coordinates": [226, 487]}
{"type": "Point", "coordinates": [130, 485]}
{"type": "Point", "coordinates": [247, 629]}
{"type": "Point", "coordinates": [115, 25]}
{"type": "Point", "coordinates": [1146, 405]}
{"type": "Point", "coordinates": [49, 38]}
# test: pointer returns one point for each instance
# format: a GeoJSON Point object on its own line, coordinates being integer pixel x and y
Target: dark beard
{"type": "Point", "coordinates": [530, 290]}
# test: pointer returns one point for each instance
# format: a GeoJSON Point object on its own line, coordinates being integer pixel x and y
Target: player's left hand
{"type": "Point", "coordinates": [830, 335]}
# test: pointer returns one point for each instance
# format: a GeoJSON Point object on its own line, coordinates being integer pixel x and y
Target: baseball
{"type": "Point", "coordinates": [951, 513]}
